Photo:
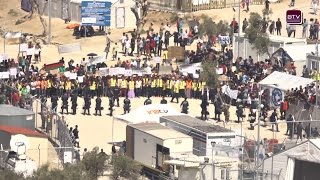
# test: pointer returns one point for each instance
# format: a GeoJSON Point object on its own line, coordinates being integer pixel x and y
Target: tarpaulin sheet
{"type": "Point", "coordinates": [26, 5]}
{"type": "Point", "coordinates": [69, 48]}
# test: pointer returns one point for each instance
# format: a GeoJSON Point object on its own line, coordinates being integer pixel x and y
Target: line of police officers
{"type": "Point", "coordinates": [147, 86]}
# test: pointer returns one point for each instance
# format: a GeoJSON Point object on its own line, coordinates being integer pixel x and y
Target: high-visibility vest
{"type": "Point", "coordinates": [199, 85]}
{"type": "Point", "coordinates": [93, 86]}
{"type": "Point", "coordinates": [195, 86]}
{"type": "Point", "coordinates": [176, 88]}
{"type": "Point", "coordinates": [153, 83]}
{"type": "Point", "coordinates": [145, 81]}
{"type": "Point", "coordinates": [19, 87]}
{"type": "Point", "coordinates": [113, 82]}
{"type": "Point", "coordinates": [62, 85]}
{"type": "Point", "coordinates": [203, 84]}
{"type": "Point", "coordinates": [189, 84]}
{"type": "Point", "coordinates": [182, 85]}
{"type": "Point", "coordinates": [170, 84]}
{"type": "Point", "coordinates": [124, 84]}
{"type": "Point", "coordinates": [160, 83]}
{"type": "Point", "coordinates": [131, 85]}
{"type": "Point", "coordinates": [318, 77]}
{"type": "Point", "coordinates": [49, 84]}
{"type": "Point", "coordinates": [68, 85]}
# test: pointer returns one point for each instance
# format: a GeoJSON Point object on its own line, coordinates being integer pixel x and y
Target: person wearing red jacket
{"type": "Point", "coordinates": [283, 108]}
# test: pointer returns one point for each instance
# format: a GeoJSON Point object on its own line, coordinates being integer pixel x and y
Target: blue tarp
{"type": "Point", "coordinates": [26, 5]}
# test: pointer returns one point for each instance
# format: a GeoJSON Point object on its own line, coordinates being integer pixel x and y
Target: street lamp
{"type": "Point", "coordinates": [259, 124]}
{"type": "Point", "coordinates": [213, 144]}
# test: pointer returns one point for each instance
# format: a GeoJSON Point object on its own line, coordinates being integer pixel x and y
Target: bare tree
{"type": "Point", "coordinates": [36, 8]}
{"type": "Point", "coordinates": [140, 18]}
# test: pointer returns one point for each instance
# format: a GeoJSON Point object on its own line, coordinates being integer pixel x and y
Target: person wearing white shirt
{"type": "Point", "coordinates": [127, 45]}
{"type": "Point", "coordinates": [138, 88]}
{"type": "Point", "coordinates": [123, 41]}
{"type": "Point", "coordinates": [134, 63]}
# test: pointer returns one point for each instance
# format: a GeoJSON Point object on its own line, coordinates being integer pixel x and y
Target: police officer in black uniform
{"type": "Point", "coordinates": [185, 106]}
{"type": "Point", "coordinates": [126, 105]}
{"type": "Point", "coordinates": [116, 94]}
{"type": "Point", "coordinates": [43, 102]}
{"type": "Point", "coordinates": [163, 100]}
{"type": "Point", "coordinates": [87, 104]}
{"type": "Point", "coordinates": [204, 110]}
{"type": "Point", "coordinates": [74, 104]}
{"type": "Point", "coordinates": [64, 106]}
{"type": "Point", "coordinates": [147, 101]}
{"type": "Point", "coordinates": [111, 105]}
{"type": "Point", "coordinates": [98, 105]}
{"type": "Point", "coordinates": [54, 102]}
{"type": "Point", "coordinates": [217, 109]}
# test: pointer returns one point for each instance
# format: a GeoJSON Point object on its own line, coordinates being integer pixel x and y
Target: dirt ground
{"type": "Point", "coordinates": [100, 131]}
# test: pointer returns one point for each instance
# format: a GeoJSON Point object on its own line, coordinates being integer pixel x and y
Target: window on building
{"type": "Point", "coordinates": [223, 174]}
{"type": "Point", "coordinates": [314, 65]}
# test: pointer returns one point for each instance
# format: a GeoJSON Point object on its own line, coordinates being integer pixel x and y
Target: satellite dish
{"type": "Point", "coordinates": [19, 143]}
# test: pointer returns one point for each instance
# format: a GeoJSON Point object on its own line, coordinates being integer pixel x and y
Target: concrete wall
{"type": "Point", "coordinates": [145, 148]}
{"type": "Point", "coordinates": [40, 156]}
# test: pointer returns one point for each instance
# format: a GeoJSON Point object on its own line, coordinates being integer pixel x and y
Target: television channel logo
{"type": "Point", "coordinates": [294, 17]}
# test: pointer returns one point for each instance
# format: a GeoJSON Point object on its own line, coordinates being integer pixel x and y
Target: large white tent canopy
{"type": "Point", "coordinates": [148, 113]}
{"type": "Point", "coordinates": [285, 81]}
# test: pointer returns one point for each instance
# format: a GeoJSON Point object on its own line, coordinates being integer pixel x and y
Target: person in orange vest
{"type": "Point", "coordinates": [38, 85]}
{"type": "Point", "coordinates": [43, 87]}
{"type": "Point", "coordinates": [283, 108]}
{"type": "Point", "coordinates": [188, 88]}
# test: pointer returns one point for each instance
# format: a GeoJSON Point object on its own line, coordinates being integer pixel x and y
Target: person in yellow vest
{"type": "Point", "coordinates": [159, 86]}
{"type": "Point", "coordinates": [113, 83]}
{"type": "Point", "coordinates": [68, 86]}
{"type": "Point", "coordinates": [199, 90]}
{"type": "Point", "coordinates": [182, 88]}
{"type": "Point", "coordinates": [176, 88]}
{"type": "Point", "coordinates": [203, 85]}
{"type": "Point", "coordinates": [194, 88]}
{"type": "Point", "coordinates": [93, 88]}
{"type": "Point", "coordinates": [123, 87]}
{"type": "Point", "coordinates": [145, 81]}
{"type": "Point", "coordinates": [153, 87]}
{"type": "Point", "coordinates": [49, 87]}
{"type": "Point", "coordinates": [131, 88]}
{"type": "Point", "coordinates": [170, 83]}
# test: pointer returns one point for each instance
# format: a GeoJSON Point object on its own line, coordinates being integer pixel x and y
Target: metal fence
{"type": "Point", "coordinates": [192, 6]}
{"type": "Point", "coordinates": [47, 121]}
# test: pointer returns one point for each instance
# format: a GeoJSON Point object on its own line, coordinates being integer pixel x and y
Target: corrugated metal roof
{"type": "Point", "coordinates": [9, 110]}
{"type": "Point", "coordinates": [159, 131]}
{"type": "Point", "coordinates": [17, 130]}
{"type": "Point", "coordinates": [197, 124]}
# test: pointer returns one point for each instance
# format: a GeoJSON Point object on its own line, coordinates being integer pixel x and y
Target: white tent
{"type": "Point", "coordinates": [285, 81]}
{"type": "Point", "coordinates": [148, 113]}
{"type": "Point", "coordinates": [296, 52]}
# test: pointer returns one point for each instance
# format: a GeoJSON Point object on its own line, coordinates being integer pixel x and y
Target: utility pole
{"type": "Point", "coordinates": [49, 15]}
{"type": "Point", "coordinates": [238, 43]}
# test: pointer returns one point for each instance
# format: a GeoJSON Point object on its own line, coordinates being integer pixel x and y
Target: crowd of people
{"type": "Point", "coordinates": [31, 82]}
